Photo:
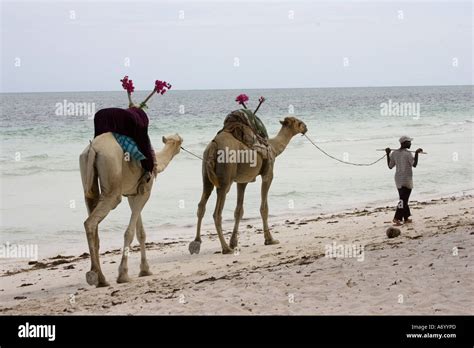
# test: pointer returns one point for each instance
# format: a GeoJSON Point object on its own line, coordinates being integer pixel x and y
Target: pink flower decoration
{"type": "Point", "coordinates": [124, 82]}
{"type": "Point", "coordinates": [127, 85]}
{"type": "Point", "coordinates": [241, 99]}
{"type": "Point", "coordinates": [162, 86]}
{"type": "Point", "coordinates": [130, 87]}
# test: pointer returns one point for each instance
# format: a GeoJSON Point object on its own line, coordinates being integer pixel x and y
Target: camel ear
{"type": "Point", "coordinates": [164, 139]}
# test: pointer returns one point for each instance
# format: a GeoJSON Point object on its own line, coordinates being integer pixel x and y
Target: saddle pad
{"type": "Point", "coordinates": [128, 145]}
{"type": "Point", "coordinates": [248, 129]}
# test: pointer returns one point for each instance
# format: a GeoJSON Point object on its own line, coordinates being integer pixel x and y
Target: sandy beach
{"type": "Point", "coordinates": [428, 269]}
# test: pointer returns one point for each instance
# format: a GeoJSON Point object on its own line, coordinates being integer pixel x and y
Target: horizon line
{"type": "Point", "coordinates": [246, 89]}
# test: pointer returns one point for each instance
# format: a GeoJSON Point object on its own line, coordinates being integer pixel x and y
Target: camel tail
{"type": "Point", "coordinates": [210, 156]}
{"type": "Point", "coordinates": [89, 172]}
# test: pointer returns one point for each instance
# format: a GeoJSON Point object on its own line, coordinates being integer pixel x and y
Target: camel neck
{"type": "Point", "coordinates": [280, 141]}
{"type": "Point", "coordinates": [164, 156]}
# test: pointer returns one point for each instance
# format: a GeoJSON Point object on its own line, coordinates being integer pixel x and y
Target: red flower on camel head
{"type": "Point", "coordinates": [128, 85]}
{"type": "Point", "coordinates": [242, 98]}
{"type": "Point", "coordinates": [160, 88]}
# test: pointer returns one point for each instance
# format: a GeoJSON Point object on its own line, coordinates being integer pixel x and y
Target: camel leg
{"type": "Point", "coordinates": [208, 187]}
{"type": "Point", "coordinates": [238, 213]}
{"type": "Point", "coordinates": [104, 206]}
{"type": "Point", "coordinates": [107, 172]}
{"type": "Point", "coordinates": [264, 212]}
{"type": "Point", "coordinates": [141, 236]}
{"type": "Point", "coordinates": [144, 268]}
{"type": "Point", "coordinates": [136, 205]}
{"type": "Point", "coordinates": [91, 204]}
{"type": "Point", "coordinates": [221, 194]}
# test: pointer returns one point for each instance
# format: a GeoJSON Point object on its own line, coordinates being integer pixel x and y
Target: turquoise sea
{"type": "Point", "coordinates": [42, 201]}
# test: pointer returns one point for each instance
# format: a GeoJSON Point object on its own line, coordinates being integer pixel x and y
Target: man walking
{"type": "Point", "coordinates": [404, 161]}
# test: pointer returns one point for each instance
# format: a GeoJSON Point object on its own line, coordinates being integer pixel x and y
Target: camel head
{"type": "Point", "coordinates": [173, 142]}
{"type": "Point", "coordinates": [294, 125]}
{"type": "Point", "coordinates": [171, 149]}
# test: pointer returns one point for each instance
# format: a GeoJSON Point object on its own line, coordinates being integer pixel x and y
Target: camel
{"type": "Point", "coordinates": [222, 175]}
{"type": "Point", "coordinates": [103, 165]}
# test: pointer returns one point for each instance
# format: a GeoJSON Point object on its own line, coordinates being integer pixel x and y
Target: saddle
{"type": "Point", "coordinates": [129, 147]}
{"type": "Point", "coordinates": [246, 127]}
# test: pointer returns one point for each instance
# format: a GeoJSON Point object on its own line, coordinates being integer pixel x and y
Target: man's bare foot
{"type": "Point", "coordinates": [397, 222]}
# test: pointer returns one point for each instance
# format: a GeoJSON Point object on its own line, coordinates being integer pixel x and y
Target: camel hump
{"type": "Point", "coordinates": [247, 128]}
{"type": "Point", "coordinates": [210, 163]}
{"type": "Point", "coordinates": [244, 122]}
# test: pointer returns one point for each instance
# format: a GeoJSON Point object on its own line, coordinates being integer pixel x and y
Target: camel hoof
{"type": "Point", "coordinates": [123, 279]}
{"type": "Point", "coordinates": [228, 251]}
{"type": "Point", "coordinates": [233, 243]}
{"type": "Point", "coordinates": [103, 284]}
{"type": "Point", "coordinates": [272, 242]}
{"type": "Point", "coordinates": [145, 273]}
{"type": "Point", "coordinates": [194, 247]}
{"type": "Point", "coordinates": [92, 278]}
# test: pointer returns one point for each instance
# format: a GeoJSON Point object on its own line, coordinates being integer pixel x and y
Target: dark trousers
{"type": "Point", "coordinates": [403, 210]}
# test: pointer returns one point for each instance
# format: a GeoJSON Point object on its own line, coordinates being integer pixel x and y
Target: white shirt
{"type": "Point", "coordinates": [403, 160]}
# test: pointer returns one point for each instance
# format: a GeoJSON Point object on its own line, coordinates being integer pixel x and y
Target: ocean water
{"type": "Point", "coordinates": [41, 192]}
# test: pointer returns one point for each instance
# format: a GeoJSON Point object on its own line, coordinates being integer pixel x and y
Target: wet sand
{"type": "Point", "coordinates": [428, 269]}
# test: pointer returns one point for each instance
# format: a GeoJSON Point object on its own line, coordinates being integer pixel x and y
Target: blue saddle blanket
{"type": "Point", "coordinates": [128, 145]}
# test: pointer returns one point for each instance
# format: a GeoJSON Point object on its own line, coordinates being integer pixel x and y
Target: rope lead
{"type": "Point", "coordinates": [337, 159]}
{"type": "Point", "coordinates": [182, 148]}
{"type": "Point", "coordinates": [316, 146]}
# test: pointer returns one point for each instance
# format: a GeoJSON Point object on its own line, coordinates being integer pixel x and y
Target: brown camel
{"type": "Point", "coordinates": [104, 165]}
{"type": "Point", "coordinates": [222, 174]}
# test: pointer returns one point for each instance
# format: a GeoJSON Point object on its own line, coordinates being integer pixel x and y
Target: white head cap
{"type": "Point", "coordinates": [404, 138]}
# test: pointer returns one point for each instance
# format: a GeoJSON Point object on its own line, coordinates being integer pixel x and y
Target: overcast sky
{"type": "Point", "coordinates": [72, 46]}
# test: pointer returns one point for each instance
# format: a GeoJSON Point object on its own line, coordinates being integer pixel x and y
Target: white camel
{"type": "Point", "coordinates": [107, 175]}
